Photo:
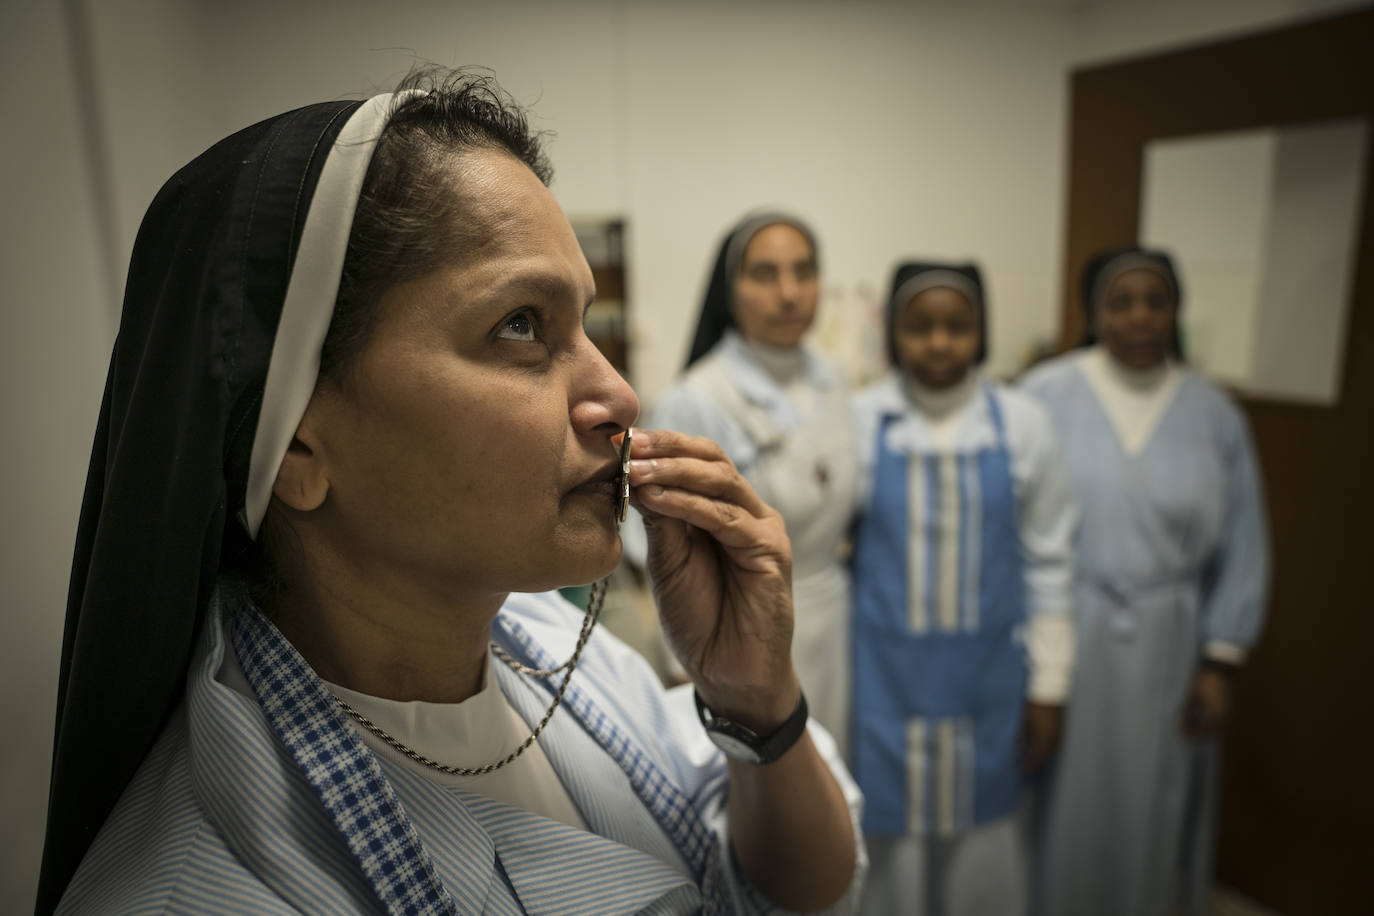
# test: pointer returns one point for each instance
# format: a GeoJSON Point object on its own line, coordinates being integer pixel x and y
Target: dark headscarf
{"type": "Point", "coordinates": [170, 464]}
{"type": "Point", "coordinates": [718, 306]}
{"type": "Point", "coordinates": [915, 277]}
{"type": "Point", "coordinates": [1106, 266]}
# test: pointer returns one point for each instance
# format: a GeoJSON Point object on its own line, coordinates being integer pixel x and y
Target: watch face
{"type": "Point", "coordinates": [733, 747]}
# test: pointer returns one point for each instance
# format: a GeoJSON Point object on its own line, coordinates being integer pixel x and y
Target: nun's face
{"type": "Point", "coordinates": [471, 447]}
{"type": "Point", "coordinates": [777, 287]}
{"type": "Point", "coordinates": [1135, 319]}
{"type": "Point", "coordinates": [938, 334]}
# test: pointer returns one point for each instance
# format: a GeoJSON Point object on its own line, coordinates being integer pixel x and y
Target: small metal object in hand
{"type": "Point", "coordinates": [622, 503]}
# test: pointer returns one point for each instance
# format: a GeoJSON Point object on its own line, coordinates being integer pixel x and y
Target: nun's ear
{"type": "Point", "coordinates": [302, 482]}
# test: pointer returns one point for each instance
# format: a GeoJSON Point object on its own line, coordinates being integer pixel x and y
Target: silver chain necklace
{"type": "Point", "coordinates": [594, 602]}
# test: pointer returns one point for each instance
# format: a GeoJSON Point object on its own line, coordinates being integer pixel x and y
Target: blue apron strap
{"type": "Point", "coordinates": [878, 565]}
{"type": "Point", "coordinates": [341, 770]}
{"type": "Point", "coordinates": [1002, 585]}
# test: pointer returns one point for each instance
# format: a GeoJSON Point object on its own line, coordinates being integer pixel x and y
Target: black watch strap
{"type": "Point", "coordinates": [743, 744]}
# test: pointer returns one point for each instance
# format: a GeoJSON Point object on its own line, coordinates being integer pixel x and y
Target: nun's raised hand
{"type": "Point", "coordinates": [721, 567]}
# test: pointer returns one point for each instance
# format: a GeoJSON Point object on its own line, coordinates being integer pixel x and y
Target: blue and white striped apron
{"type": "Point", "coordinates": [939, 667]}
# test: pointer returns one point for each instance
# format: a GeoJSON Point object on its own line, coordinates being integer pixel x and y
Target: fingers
{"type": "Point", "coordinates": [717, 480]}
{"type": "Point", "coordinates": [729, 523]}
{"type": "Point", "coordinates": [675, 460]}
{"type": "Point", "coordinates": [663, 443]}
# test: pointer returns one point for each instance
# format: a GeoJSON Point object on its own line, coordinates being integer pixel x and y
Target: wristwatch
{"type": "Point", "coordinates": [742, 744]}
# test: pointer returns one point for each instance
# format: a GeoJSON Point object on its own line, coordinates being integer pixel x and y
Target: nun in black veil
{"type": "Point", "coordinates": [1172, 561]}
{"type": "Point", "coordinates": [779, 411]}
{"type": "Point", "coordinates": [353, 436]}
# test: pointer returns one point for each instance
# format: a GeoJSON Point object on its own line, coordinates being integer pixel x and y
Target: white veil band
{"type": "Point", "coordinates": [1130, 260]}
{"type": "Point", "coordinates": [310, 293]}
{"type": "Point", "coordinates": [938, 277]}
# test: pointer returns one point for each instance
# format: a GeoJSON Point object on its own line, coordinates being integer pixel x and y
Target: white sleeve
{"type": "Point", "coordinates": [1047, 519]}
{"type": "Point", "coordinates": [1237, 577]}
{"type": "Point", "coordinates": [865, 415]}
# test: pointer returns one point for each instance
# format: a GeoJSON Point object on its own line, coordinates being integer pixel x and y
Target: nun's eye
{"type": "Point", "coordinates": [763, 273]}
{"type": "Point", "coordinates": [521, 326]}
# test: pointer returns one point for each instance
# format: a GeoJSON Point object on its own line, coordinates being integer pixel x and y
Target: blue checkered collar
{"type": "Point", "coordinates": [371, 825]}
{"type": "Point", "coordinates": [345, 776]}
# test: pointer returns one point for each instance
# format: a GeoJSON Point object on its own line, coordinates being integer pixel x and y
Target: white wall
{"type": "Point", "coordinates": [898, 131]}
{"type": "Point", "coordinates": [53, 350]}
{"type": "Point", "coordinates": [898, 128]}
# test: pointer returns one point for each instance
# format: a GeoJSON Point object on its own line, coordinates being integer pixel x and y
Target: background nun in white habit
{"type": "Point", "coordinates": [779, 412]}
{"type": "Point", "coordinates": [1172, 560]}
{"type": "Point", "coordinates": [351, 416]}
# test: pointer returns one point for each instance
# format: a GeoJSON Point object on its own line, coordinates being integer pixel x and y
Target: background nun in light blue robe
{"type": "Point", "coordinates": [1172, 576]}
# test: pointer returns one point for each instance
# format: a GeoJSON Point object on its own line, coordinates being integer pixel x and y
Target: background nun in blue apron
{"type": "Point", "coordinates": [354, 433]}
{"type": "Point", "coordinates": [963, 646]}
{"type": "Point", "coordinates": [781, 415]}
{"type": "Point", "coordinates": [1172, 577]}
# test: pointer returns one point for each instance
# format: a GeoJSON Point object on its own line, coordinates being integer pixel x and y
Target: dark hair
{"type": "Point", "coordinates": [409, 216]}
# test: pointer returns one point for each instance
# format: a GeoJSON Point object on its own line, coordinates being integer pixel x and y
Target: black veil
{"type": "Point", "coordinates": [170, 461]}
{"type": "Point", "coordinates": [717, 306]}
{"type": "Point", "coordinates": [963, 277]}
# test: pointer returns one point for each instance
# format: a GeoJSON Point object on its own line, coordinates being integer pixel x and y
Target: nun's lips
{"type": "Point", "coordinates": [1144, 346]}
{"type": "Point", "coordinates": [601, 484]}
{"type": "Point", "coordinates": [943, 371]}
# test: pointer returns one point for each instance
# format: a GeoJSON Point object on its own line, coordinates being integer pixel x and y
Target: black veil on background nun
{"type": "Point", "coordinates": [1093, 274]}
{"type": "Point", "coordinates": [717, 306]}
{"type": "Point", "coordinates": [909, 270]}
{"type": "Point", "coordinates": [170, 461]}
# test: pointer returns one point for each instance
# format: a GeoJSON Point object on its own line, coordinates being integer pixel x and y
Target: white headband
{"type": "Point", "coordinates": [1130, 260]}
{"type": "Point", "coordinates": [309, 306]}
{"type": "Point", "coordinates": [734, 252]}
{"type": "Point", "coordinates": [937, 277]}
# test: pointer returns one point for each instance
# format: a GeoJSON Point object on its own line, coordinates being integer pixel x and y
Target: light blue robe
{"type": "Point", "coordinates": [1172, 555]}
{"type": "Point", "coordinates": [223, 816]}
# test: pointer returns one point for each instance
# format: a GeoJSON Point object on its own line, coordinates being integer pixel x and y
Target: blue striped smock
{"type": "Point", "coordinates": [228, 816]}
